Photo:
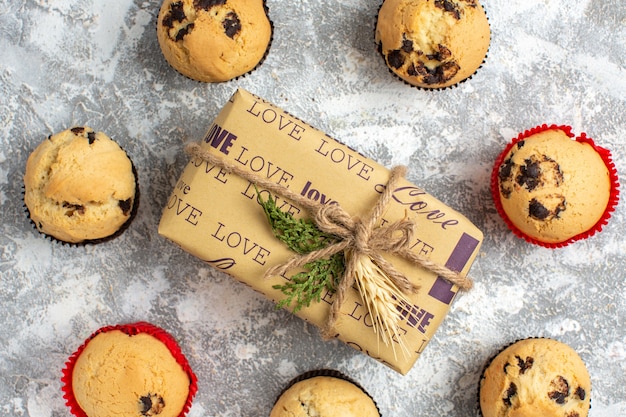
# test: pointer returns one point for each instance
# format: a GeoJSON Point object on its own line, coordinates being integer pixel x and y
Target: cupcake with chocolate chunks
{"type": "Point", "coordinates": [535, 377]}
{"type": "Point", "coordinates": [553, 189]}
{"type": "Point", "coordinates": [433, 44]}
{"type": "Point", "coordinates": [131, 370]}
{"type": "Point", "coordinates": [80, 186]}
{"type": "Point", "coordinates": [214, 40]}
{"type": "Point", "coordinates": [324, 393]}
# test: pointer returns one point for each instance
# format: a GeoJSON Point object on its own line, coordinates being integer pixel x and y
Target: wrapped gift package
{"type": "Point", "coordinates": [217, 216]}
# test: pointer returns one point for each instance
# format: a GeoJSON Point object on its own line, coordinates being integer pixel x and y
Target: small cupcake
{"type": "Point", "coordinates": [80, 186]}
{"type": "Point", "coordinates": [129, 370]}
{"type": "Point", "coordinates": [552, 189]}
{"type": "Point", "coordinates": [324, 393]}
{"type": "Point", "coordinates": [433, 44]}
{"type": "Point", "coordinates": [214, 40]}
{"type": "Point", "coordinates": [535, 377]}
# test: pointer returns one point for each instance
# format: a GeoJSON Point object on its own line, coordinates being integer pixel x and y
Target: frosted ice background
{"type": "Point", "coordinates": [88, 62]}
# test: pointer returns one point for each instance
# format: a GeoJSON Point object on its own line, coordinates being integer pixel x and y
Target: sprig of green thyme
{"type": "Point", "coordinates": [302, 236]}
{"type": "Point", "coordinates": [310, 285]}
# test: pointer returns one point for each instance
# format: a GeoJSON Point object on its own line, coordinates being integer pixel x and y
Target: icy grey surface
{"type": "Point", "coordinates": [97, 63]}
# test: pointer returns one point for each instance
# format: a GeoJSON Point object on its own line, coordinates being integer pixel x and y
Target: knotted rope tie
{"type": "Point", "coordinates": [355, 237]}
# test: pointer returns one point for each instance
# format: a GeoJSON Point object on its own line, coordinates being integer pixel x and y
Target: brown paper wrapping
{"type": "Point", "coordinates": [216, 216]}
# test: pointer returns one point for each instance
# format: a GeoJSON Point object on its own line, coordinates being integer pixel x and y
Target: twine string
{"type": "Point", "coordinates": [356, 236]}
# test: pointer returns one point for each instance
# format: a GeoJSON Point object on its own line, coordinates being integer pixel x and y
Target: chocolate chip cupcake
{"type": "Point", "coordinates": [324, 393]}
{"type": "Point", "coordinates": [433, 44]}
{"type": "Point", "coordinates": [535, 377]}
{"type": "Point", "coordinates": [129, 370]}
{"type": "Point", "coordinates": [80, 186]}
{"type": "Point", "coordinates": [214, 40]}
{"type": "Point", "coordinates": [552, 189]}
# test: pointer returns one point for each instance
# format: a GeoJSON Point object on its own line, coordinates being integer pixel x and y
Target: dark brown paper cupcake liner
{"type": "Point", "coordinates": [605, 154]}
{"type": "Point", "coordinates": [329, 373]}
{"type": "Point", "coordinates": [418, 87]}
{"type": "Point", "coordinates": [490, 360]}
{"type": "Point", "coordinates": [241, 76]}
{"type": "Point", "coordinates": [130, 329]}
{"type": "Point", "coordinates": [269, 44]}
{"type": "Point", "coordinates": [118, 232]}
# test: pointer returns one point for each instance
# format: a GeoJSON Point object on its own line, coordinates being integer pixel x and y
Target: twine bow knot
{"type": "Point", "coordinates": [361, 240]}
{"type": "Point", "coordinates": [365, 236]}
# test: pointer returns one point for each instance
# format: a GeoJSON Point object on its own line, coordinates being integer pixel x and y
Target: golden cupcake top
{"type": "Point", "coordinates": [79, 185]}
{"type": "Point", "coordinates": [552, 187]}
{"type": "Point", "coordinates": [324, 396]}
{"type": "Point", "coordinates": [433, 44]}
{"type": "Point", "coordinates": [536, 377]}
{"type": "Point", "coordinates": [213, 40]}
{"type": "Point", "coordinates": [118, 374]}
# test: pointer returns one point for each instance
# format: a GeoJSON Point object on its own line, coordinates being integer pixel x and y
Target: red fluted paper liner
{"type": "Point", "coordinates": [131, 330]}
{"type": "Point", "coordinates": [605, 154]}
